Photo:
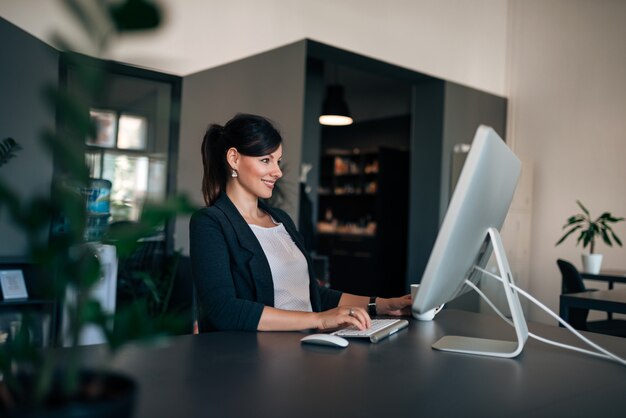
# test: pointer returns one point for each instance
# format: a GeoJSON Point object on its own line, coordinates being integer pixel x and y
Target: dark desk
{"type": "Point", "coordinates": [610, 276]}
{"type": "Point", "coordinates": [239, 374]}
{"type": "Point", "coordinates": [598, 300]}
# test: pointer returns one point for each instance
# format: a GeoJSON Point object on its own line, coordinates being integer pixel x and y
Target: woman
{"type": "Point", "coordinates": [250, 268]}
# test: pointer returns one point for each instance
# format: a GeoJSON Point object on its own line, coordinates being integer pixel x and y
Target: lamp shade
{"type": "Point", "coordinates": [335, 111]}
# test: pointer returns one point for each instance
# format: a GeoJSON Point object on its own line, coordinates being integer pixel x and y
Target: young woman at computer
{"type": "Point", "coordinates": [250, 269]}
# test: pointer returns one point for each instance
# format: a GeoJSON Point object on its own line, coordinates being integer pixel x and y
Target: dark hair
{"type": "Point", "coordinates": [251, 135]}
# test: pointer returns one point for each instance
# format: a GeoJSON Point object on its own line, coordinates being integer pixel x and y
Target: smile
{"type": "Point", "coordinates": [269, 183]}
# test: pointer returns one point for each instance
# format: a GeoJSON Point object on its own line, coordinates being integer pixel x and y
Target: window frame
{"type": "Point", "coordinates": [113, 68]}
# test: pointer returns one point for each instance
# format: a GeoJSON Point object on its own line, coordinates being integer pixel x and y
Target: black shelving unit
{"type": "Point", "coordinates": [13, 313]}
{"type": "Point", "coordinates": [38, 307]}
{"type": "Point", "coordinates": [363, 201]}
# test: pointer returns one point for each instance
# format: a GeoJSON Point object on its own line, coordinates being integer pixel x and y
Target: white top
{"type": "Point", "coordinates": [289, 268]}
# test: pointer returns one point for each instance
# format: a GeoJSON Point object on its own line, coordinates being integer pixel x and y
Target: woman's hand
{"type": "Point", "coordinates": [344, 316]}
{"type": "Point", "coordinates": [394, 306]}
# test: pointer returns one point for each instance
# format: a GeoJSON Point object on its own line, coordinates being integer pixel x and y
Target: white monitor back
{"type": "Point", "coordinates": [480, 201]}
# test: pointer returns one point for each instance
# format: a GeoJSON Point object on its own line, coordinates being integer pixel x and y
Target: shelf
{"type": "Point", "coordinates": [22, 302]}
{"type": "Point", "coordinates": [347, 194]}
{"type": "Point", "coordinates": [39, 314]}
{"type": "Point", "coordinates": [350, 175]}
{"type": "Point", "coordinates": [348, 234]}
{"type": "Point", "coordinates": [350, 154]}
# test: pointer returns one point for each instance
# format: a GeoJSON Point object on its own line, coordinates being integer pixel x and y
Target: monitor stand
{"type": "Point", "coordinates": [487, 347]}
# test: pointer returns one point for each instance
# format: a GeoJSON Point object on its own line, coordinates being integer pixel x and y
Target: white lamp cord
{"type": "Point", "coordinates": [604, 353]}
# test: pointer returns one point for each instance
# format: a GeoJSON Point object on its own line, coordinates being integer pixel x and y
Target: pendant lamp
{"type": "Point", "coordinates": [335, 109]}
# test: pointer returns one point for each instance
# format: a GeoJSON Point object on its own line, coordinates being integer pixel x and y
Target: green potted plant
{"type": "Point", "coordinates": [36, 382]}
{"type": "Point", "coordinates": [589, 229]}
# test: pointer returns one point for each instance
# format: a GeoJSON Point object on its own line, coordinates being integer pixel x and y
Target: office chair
{"type": "Point", "coordinates": [320, 267]}
{"type": "Point", "coordinates": [181, 300]}
{"type": "Point", "coordinates": [572, 282]}
{"type": "Point", "coordinates": [149, 258]}
{"type": "Point", "coordinates": [171, 281]}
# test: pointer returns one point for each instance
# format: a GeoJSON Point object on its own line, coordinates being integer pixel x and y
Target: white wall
{"type": "Point", "coordinates": [458, 40]}
{"type": "Point", "coordinates": [567, 118]}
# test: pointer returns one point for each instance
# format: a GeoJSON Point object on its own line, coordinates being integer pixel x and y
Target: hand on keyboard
{"type": "Point", "coordinates": [377, 324]}
{"type": "Point", "coordinates": [380, 329]}
{"type": "Point", "coordinates": [344, 316]}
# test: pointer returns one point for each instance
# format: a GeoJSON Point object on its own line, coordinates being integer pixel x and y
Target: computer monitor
{"type": "Point", "coordinates": [468, 236]}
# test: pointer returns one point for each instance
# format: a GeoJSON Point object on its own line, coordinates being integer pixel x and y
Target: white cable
{"type": "Point", "coordinates": [530, 334]}
{"type": "Point", "coordinates": [605, 353]}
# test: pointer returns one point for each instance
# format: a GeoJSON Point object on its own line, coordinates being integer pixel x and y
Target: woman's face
{"type": "Point", "coordinates": [258, 175]}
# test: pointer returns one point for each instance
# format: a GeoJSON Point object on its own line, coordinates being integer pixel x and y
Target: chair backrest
{"type": "Point", "coordinates": [571, 282]}
{"type": "Point", "coordinates": [181, 301]}
{"type": "Point", "coordinates": [320, 267]}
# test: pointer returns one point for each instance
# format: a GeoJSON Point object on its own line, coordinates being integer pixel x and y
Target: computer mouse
{"type": "Point", "coordinates": [325, 339]}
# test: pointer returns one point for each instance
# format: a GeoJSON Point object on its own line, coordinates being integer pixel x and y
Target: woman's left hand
{"type": "Point", "coordinates": [394, 306]}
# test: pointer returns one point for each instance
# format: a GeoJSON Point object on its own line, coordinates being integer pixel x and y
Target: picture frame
{"type": "Point", "coordinates": [13, 285]}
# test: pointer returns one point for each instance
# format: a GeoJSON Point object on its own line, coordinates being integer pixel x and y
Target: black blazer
{"type": "Point", "coordinates": [232, 276]}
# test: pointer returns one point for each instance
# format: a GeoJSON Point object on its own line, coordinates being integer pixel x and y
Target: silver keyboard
{"type": "Point", "coordinates": [380, 329]}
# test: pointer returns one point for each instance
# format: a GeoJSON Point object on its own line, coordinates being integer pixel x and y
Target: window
{"type": "Point", "coordinates": [121, 153]}
{"type": "Point", "coordinates": [136, 113]}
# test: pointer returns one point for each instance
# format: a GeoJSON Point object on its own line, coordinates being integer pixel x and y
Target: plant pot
{"type": "Point", "coordinates": [101, 394]}
{"type": "Point", "coordinates": [592, 263]}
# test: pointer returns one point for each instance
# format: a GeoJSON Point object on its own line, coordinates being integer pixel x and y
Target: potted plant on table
{"type": "Point", "coordinates": [589, 230]}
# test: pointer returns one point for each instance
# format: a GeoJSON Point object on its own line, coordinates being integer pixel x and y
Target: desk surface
{"type": "Point", "coordinates": [601, 300]}
{"type": "Point", "coordinates": [246, 374]}
{"type": "Point", "coordinates": [617, 276]}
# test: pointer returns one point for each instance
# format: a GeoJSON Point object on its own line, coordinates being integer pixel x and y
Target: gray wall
{"type": "Point", "coordinates": [424, 181]}
{"type": "Point", "coordinates": [28, 64]}
{"type": "Point", "coordinates": [271, 84]}
{"type": "Point", "coordinates": [312, 131]}
{"type": "Point", "coordinates": [465, 109]}
{"type": "Point", "coordinates": [445, 114]}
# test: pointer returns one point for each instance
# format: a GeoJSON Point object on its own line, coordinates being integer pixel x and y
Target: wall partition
{"type": "Point", "coordinates": [356, 203]}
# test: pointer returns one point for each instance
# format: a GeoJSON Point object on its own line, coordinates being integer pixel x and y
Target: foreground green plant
{"type": "Point", "coordinates": [71, 267]}
{"type": "Point", "coordinates": [8, 148]}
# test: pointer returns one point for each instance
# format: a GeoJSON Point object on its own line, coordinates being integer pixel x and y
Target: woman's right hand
{"type": "Point", "coordinates": [344, 316]}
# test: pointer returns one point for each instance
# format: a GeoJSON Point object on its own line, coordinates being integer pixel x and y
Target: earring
{"type": "Point", "coordinates": [234, 174]}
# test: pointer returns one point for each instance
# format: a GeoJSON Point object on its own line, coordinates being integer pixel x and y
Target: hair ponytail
{"type": "Point", "coordinates": [214, 163]}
